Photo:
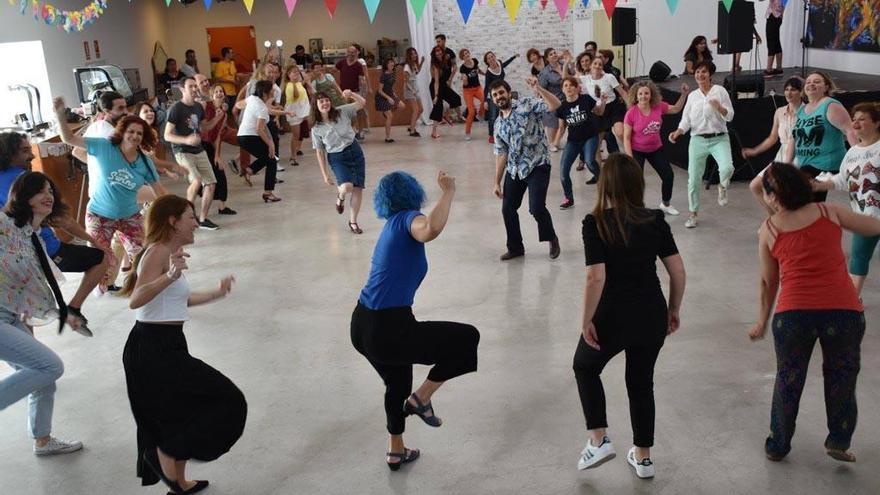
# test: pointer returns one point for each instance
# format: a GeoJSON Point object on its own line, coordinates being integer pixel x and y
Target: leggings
{"type": "Point", "coordinates": [640, 336]}
{"type": "Point", "coordinates": [131, 233]}
{"type": "Point", "coordinates": [392, 341]}
{"type": "Point", "coordinates": [471, 94]}
{"type": "Point", "coordinates": [257, 147]}
{"type": "Point", "coordinates": [774, 45]}
{"type": "Point", "coordinates": [660, 164]}
{"type": "Point", "coordinates": [840, 333]}
{"type": "Point", "coordinates": [221, 192]}
{"type": "Point", "coordinates": [860, 257]}
{"type": "Point", "coordinates": [447, 95]}
{"type": "Point", "coordinates": [699, 149]}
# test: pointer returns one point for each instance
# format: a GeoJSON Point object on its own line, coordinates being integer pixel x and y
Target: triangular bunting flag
{"type": "Point", "coordinates": [609, 7]}
{"type": "Point", "coordinates": [532, 3]}
{"type": "Point", "coordinates": [562, 7]}
{"type": "Point", "coordinates": [543, 4]}
{"type": "Point", "coordinates": [673, 4]}
{"type": "Point", "coordinates": [290, 4]}
{"type": "Point", "coordinates": [331, 6]}
{"type": "Point", "coordinates": [587, 3]}
{"type": "Point", "coordinates": [727, 4]}
{"type": "Point", "coordinates": [571, 4]}
{"type": "Point", "coordinates": [248, 4]}
{"type": "Point", "coordinates": [372, 6]}
{"type": "Point", "coordinates": [207, 4]}
{"type": "Point", "coordinates": [512, 7]}
{"type": "Point", "coordinates": [168, 3]}
{"type": "Point", "coordinates": [492, 2]}
{"type": "Point", "coordinates": [418, 7]}
{"type": "Point", "coordinates": [784, 3]}
{"type": "Point", "coordinates": [465, 6]}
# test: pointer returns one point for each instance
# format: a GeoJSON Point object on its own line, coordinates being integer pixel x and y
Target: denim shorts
{"type": "Point", "coordinates": [349, 165]}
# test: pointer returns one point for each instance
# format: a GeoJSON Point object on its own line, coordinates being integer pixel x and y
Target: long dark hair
{"type": "Point", "coordinates": [9, 143]}
{"type": "Point", "coordinates": [316, 118]}
{"type": "Point", "coordinates": [692, 50]}
{"type": "Point", "coordinates": [622, 197]}
{"type": "Point", "coordinates": [412, 59]}
{"type": "Point", "coordinates": [25, 187]}
{"type": "Point", "coordinates": [158, 229]}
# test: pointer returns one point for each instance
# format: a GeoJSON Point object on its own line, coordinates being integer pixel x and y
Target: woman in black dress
{"type": "Point", "coordinates": [386, 101]}
{"type": "Point", "coordinates": [183, 408]}
{"type": "Point", "coordinates": [624, 308]}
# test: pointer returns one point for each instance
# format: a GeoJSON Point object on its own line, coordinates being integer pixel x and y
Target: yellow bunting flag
{"type": "Point", "coordinates": [248, 4]}
{"type": "Point", "coordinates": [512, 7]}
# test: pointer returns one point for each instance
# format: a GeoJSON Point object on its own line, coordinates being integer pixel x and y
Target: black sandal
{"type": "Point", "coordinates": [340, 204]}
{"type": "Point", "coordinates": [199, 486]}
{"type": "Point", "coordinates": [422, 410]}
{"type": "Point", "coordinates": [408, 455]}
{"type": "Point", "coordinates": [355, 228]}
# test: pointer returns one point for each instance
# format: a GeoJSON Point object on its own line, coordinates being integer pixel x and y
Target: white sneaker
{"type": "Point", "coordinates": [722, 196]}
{"type": "Point", "coordinates": [57, 446]}
{"type": "Point", "coordinates": [668, 209]}
{"type": "Point", "coordinates": [467, 137]}
{"type": "Point", "coordinates": [691, 222]}
{"type": "Point", "coordinates": [282, 169]}
{"type": "Point", "coordinates": [594, 456]}
{"type": "Point", "coordinates": [644, 468]}
{"type": "Point", "coordinates": [554, 148]}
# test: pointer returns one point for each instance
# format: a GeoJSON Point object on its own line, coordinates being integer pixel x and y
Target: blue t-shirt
{"type": "Point", "coordinates": [7, 177]}
{"type": "Point", "coordinates": [118, 180]}
{"type": "Point", "coordinates": [399, 265]}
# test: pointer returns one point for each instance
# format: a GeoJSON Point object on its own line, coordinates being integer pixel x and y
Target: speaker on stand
{"type": "Point", "coordinates": [735, 28]}
{"type": "Point", "coordinates": [623, 30]}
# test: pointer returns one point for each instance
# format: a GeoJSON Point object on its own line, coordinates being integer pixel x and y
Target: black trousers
{"type": "Point", "coordinates": [274, 132]}
{"type": "Point", "coordinates": [221, 192]}
{"type": "Point", "coordinates": [255, 146]}
{"type": "Point", "coordinates": [392, 341]}
{"type": "Point", "coordinates": [661, 165]}
{"type": "Point", "coordinates": [536, 183]}
{"type": "Point", "coordinates": [640, 335]}
{"type": "Point", "coordinates": [447, 95]}
{"type": "Point", "coordinates": [774, 45]}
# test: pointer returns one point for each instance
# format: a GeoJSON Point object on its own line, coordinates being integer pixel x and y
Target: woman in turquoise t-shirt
{"type": "Point", "coordinates": [123, 169]}
{"type": "Point", "coordinates": [819, 132]}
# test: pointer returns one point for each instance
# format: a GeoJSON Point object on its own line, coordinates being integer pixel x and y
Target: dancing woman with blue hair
{"type": "Point", "coordinates": [383, 327]}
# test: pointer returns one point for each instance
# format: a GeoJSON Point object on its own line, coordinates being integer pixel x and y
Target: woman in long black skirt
{"type": "Point", "coordinates": [383, 327]}
{"type": "Point", "coordinates": [183, 408]}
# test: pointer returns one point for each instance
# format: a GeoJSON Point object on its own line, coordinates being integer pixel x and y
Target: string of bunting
{"type": "Point", "coordinates": [69, 20]}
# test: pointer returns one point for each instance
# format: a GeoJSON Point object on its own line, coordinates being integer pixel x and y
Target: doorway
{"type": "Point", "coordinates": [241, 39]}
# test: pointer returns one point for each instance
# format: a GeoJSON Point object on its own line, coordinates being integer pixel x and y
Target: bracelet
{"type": "Point", "coordinates": [168, 274]}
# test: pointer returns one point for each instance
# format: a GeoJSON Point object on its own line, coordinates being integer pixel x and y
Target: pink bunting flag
{"type": "Point", "coordinates": [372, 6]}
{"type": "Point", "coordinates": [673, 4]}
{"type": "Point", "coordinates": [727, 4]}
{"type": "Point", "coordinates": [609, 7]}
{"type": "Point", "coordinates": [331, 6]}
{"type": "Point", "coordinates": [290, 5]}
{"type": "Point", "coordinates": [562, 8]}
{"type": "Point", "coordinates": [418, 7]}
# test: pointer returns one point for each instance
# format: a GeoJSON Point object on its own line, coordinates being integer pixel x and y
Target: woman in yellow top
{"type": "Point", "coordinates": [297, 106]}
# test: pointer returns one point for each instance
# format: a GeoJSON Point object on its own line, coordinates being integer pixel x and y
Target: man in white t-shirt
{"type": "Point", "coordinates": [190, 66]}
{"type": "Point", "coordinates": [113, 107]}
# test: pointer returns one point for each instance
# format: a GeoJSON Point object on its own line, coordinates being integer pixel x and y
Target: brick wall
{"type": "Point", "coordinates": [489, 28]}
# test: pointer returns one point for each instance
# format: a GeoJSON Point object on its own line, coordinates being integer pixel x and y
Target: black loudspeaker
{"type": "Point", "coordinates": [746, 83]}
{"type": "Point", "coordinates": [659, 71]}
{"type": "Point", "coordinates": [623, 26]}
{"type": "Point", "coordinates": [735, 27]}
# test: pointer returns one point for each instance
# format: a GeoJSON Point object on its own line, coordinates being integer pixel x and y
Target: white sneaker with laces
{"type": "Point", "coordinates": [644, 468]}
{"type": "Point", "coordinates": [668, 209]}
{"type": "Point", "coordinates": [691, 222]}
{"type": "Point", "coordinates": [722, 196]}
{"type": "Point", "coordinates": [594, 456]}
{"type": "Point", "coordinates": [467, 137]}
{"type": "Point", "coordinates": [56, 446]}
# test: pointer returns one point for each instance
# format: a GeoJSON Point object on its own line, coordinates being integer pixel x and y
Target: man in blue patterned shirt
{"type": "Point", "coordinates": [522, 160]}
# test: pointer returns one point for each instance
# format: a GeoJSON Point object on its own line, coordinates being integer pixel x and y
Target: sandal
{"type": "Point", "coordinates": [408, 455]}
{"type": "Point", "coordinates": [340, 204]}
{"type": "Point", "coordinates": [246, 175]}
{"type": "Point", "coordinates": [841, 455]}
{"type": "Point", "coordinates": [355, 229]}
{"type": "Point", "coordinates": [422, 411]}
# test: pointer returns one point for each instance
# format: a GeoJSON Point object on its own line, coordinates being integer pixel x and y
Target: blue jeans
{"type": "Point", "coordinates": [491, 114]}
{"type": "Point", "coordinates": [569, 154]}
{"type": "Point", "coordinates": [36, 369]}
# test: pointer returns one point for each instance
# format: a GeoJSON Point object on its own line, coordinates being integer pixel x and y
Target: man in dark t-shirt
{"type": "Point", "coordinates": [353, 76]}
{"type": "Point", "coordinates": [441, 42]}
{"type": "Point", "coordinates": [185, 122]}
{"type": "Point", "coordinates": [302, 58]}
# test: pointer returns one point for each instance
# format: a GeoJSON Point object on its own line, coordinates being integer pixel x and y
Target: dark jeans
{"type": "Point", "coordinates": [536, 184]}
{"type": "Point", "coordinates": [392, 341]}
{"type": "Point", "coordinates": [569, 154]}
{"type": "Point", "coordinates": [794, 335]}
{"type": "Point", "coordinates": [255, 146]}
{"type": "Point", "coordinates": [491, 113]}
{"type": "Point", "coordinates": [610, 146]}
{"type": "Point", "coordinates": [661, 165]}
{"type": "Point", "coordinates": [640, 334]}
{"type": "Point", "coordinates": [221, 192]}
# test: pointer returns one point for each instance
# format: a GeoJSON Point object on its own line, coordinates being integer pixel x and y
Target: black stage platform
{"type": "Point", "coordinates": [753, 117]}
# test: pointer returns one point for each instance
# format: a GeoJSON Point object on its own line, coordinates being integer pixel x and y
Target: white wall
{"type": "Point", "coordinates": [269, 18]}
{"type": "Point", "coordinates": [126, 34]}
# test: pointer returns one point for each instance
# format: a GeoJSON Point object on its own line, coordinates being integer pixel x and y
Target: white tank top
{"type": "Point", "coordinates": [168, 305]}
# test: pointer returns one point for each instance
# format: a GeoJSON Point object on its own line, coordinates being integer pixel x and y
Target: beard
{"type": "Point", "coordinates": [503, 103]}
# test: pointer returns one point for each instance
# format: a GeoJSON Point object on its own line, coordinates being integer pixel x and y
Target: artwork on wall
{"type": "Point", "coordinates": [844, 25]}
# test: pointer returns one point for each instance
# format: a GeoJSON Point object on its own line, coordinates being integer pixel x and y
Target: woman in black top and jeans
{"type": "Point", "coordinates": [494, 72]}
{"type": "Point", "coordinates": [624, 308]}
